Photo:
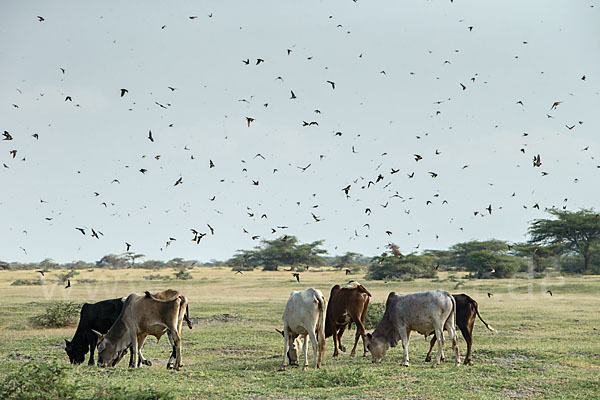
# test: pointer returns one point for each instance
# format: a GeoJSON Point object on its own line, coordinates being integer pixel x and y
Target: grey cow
{"type": "Point", "coordinates": [423, 312]}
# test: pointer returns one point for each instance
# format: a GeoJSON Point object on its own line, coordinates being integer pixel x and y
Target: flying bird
{"type": "Point", "coordinates": [41, 272]}
{"type": "Point", "coordinates": [549, 292]}
{"type": "Point", "coordinates": [150, 136]}
{"type": "Point", "coordinates": [249, 120]}
{"type": "Point", "coordinates": [40, 18]}
{"type": "Point", "coordinates": [7, 136]}
{"type": "Point", "coordinates": [68, 284]}
{"type": "Point", "coordinates": [296, 275]}
{"type": "Point", "coordinates": [332, 84]}
{"type": "Point", "coordinates": [490, 294]}
{"type": "Point", "coordinates": [555, 104]}
{"type": "Point", "coordinates": [81, 230]}
{"type": "Point", "coordinates": [259, 60]}
{"type": "Point", "coordinates": [179, 181]}
{"type": "Point", "coordinates": [123, 91]}
{"type": "Point", "coordinates": [417, 157]}
{"type": "Point", "coordinates": [293, 95]}
{"type": "Point", "coordinates": [127, 246]}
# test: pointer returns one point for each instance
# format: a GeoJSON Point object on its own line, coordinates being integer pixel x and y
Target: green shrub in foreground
{"type": "Point", "coordinates": [37, 381]}
{"type": "Point", "coordinates": [58, 314]}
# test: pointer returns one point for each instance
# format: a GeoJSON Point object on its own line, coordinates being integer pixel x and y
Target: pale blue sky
{"type": "Point", "coordinates": [535, 52]}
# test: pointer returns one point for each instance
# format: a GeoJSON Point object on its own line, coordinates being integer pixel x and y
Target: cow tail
{"type": "Point", "coordinates": [474, 304]}
{"type": "Point", "coordinates": [321, 329]}
{"type": "Point", "coordinates": [187, 316]}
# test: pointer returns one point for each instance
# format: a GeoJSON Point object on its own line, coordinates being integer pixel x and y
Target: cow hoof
{"type": "Point", "coordinates": [406, 364]}
{"type": "Point", "coordinates": [427, 359]}
{"type": "Point", "coordinates": [342, 348]}
{"type": "Point", "coordinates": [352, 354]}
{"type": "Point", "coordinates": [434, 365]}
{"type": "Point", "coordinates": [305, 368]}
{"type": "Point", "coordinates": [282, 368]}
{"type": "Point", "coordinates": [468, 362]}
{"type": "Point", "coordinates": [335, 354]}
{"type": "Point", "coordinates": [147, 362]}
{"type": "Point", "coordinates": [179, 368]}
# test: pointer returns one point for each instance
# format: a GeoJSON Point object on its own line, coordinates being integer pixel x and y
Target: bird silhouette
{"type": "Point", "coordinates": [150, 136]}
{"type": "Point", "coordinates": [549, 292]}
{"type": "Point", "coordinates": [296, 275]}
{"type": "Point", "coordinates": [41, 272]}
{"type": "Point", "coordinates": [490, 294]}
{"type": "Point", "coordinates": [128, 246]}
{"type": "Point", "coordinates": [123, 91]}
{"type": "Point", "coordinates": [347, 271]}
{"type": "Point", "coordinates": [68, 284]}
{"type": "Point", "coordinates": [332, 84]}
{"type": "Point", "coordinates": [179, 181]}
{"type": "Point", "coordinates": [81, 230]}
{"type": "Point", "coordinates": [249, 120]}
{"type": "Point", "coordinates": [293, 95]}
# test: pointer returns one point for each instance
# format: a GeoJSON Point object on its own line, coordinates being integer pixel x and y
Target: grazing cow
{"type": "Point", "coordinates": [304, 315]}
{"type": "Point", "coordinates": [98, 316]}
{"type": "Point", "coordinates": [347, 305]}
{"type": "Point", "coordinates": [143, 316]}
{"type": "Point", "coordinates": [466, 310]}
{"type": "Point", "coordinates": [422, 312]}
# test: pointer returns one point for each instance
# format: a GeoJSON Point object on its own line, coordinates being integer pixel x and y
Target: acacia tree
{"type": "Point", "coordinates": [577, 232]}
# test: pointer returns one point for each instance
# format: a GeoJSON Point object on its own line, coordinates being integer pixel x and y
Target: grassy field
{"type": "Point", "coordinates": [546, 346]}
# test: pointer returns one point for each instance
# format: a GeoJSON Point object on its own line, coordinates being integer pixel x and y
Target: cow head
{"type": "Point", "coordinates": [377, 346]}
{"type": "Point", "coordinates": [107, 351]}
{"type": "Point", "coordinates": [292, 353]}
{"type": "Point", "coordinates": [75, 351]}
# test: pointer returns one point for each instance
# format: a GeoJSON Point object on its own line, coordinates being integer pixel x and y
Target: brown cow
{"type": "Point", "coordinates": [466, 310]}
{"type": "Point", "coordinates": [346, 305]}
{"type": "Point", "coordinates": [142, 316]}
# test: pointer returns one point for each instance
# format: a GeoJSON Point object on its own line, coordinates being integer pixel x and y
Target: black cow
{"type": "Point", "coordinates": [466, 311]}
{"type": "Point", "coordinates": [100, 317]}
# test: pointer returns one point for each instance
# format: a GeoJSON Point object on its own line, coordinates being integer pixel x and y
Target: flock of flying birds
{"type": "Point", "coordinates": [348, 189]}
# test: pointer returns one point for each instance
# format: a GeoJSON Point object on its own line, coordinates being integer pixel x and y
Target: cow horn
{"type": "Point", "coordinates": [279, 332]}
{"type": "Point", "coordinates": [97, 333]}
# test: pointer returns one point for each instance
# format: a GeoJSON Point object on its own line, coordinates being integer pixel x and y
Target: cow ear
{"type": "Point", "coordinates": [369, 336]}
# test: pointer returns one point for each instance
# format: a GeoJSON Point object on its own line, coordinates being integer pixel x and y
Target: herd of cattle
{"type": "Point", "coordinates": [116, 326]}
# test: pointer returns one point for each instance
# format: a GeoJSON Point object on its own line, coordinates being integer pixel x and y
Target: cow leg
{"type": "Point", "coordinates": [177, 344]}
{"type": "Point", "coordinates": [286, 338]}
{"type": "Point", "coordinates": [439, 335]}
{"type": "Point", "coordinates": [313, 341]}
{"type": "Point", "coordinates": [335, 342]}
{"type": "Point", "coordinates": [454, 340]}
{"type": "Point", "coordinates": [93, 342]}
{"type": "Point", "coordinates": [360, 333]}
{"type": "Point", "coordinates": [362, 321]}
{"type": "Point", "coordinates": [431, 344]}
{"type": "Point", "coordinates": [467, 333]}
{"type": "Point", "coordinates": [134, 352]}
{"type": "Point", "coordinates": [173, 356]}
{"type": "Point", "coordinates": [340, 333]}
{"type": "Point", "coordinates": [405, 336]}
{"type": "Point", "coordinates": [143, 360]}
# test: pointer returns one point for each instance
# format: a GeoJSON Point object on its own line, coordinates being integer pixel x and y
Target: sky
{"type": "Point", "coordinates": [475, 89]}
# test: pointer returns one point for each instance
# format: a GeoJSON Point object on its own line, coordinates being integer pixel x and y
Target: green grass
{"type": "Point", "coordinates": [546, 347]}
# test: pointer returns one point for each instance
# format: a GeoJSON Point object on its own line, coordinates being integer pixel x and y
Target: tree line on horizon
{"type": "Point", "coordinates": [569, 243]}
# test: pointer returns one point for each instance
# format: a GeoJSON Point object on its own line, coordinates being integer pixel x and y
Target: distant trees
{"type": "Point", "coordinates": [285, 250]}
{"type": "Point", "coordinates": [486, 259]}
{"type": "Point", "coordinates": [406, 267]}
{"type": "Point", "coordinates": [570, 232]}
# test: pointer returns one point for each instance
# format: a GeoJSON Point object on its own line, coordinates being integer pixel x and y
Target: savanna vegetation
{"type": "Point", "coordinates": [546, 346]}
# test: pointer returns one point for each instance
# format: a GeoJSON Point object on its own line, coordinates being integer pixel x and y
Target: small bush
{"type": "Point", "coordinates": [58, 315]}
{"type": "Point", "coordinates": [183, 274]}
{"type": "Point", "coordinates": [324, 378]}
{"type": "Point", "coordinates": [374, 315]}
{"type": "Point", "coordinates": [37, 381]}
{"type": "Point", "coordinates": [27, 282]}
{"type": "Point", "coordinates": [155, 277]}
{"type": "Point", "coordinates": [119, 393]}
{"type": "Point", "coordinates": [63, 277]}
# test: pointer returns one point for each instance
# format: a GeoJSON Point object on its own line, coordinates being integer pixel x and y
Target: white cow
{"type": "Point", "coordinates": [304, 315]}
{"type": "Point", "coordinates": [423, 312]}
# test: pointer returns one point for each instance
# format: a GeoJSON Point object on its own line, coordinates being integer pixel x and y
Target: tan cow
{"type": "Point", "coordinates": [141, 316]}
